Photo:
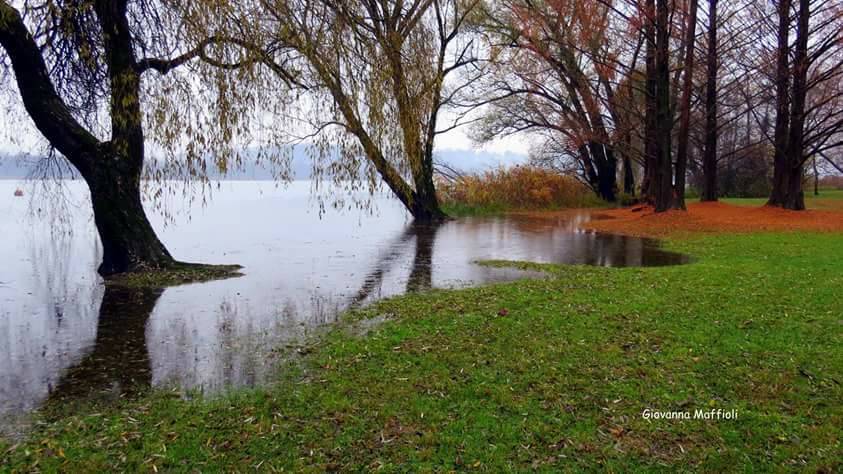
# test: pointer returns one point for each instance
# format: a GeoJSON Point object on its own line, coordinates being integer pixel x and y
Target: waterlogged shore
{"type": "Point", "coordinates": [537, 374]}
{"type": "Point", "coordinates": [66, 335]}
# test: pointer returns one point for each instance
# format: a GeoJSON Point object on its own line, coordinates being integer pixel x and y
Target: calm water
{"type": "Point", "coordinates": [63, 334]}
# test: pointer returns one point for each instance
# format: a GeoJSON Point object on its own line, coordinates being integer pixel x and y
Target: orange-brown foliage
{"type": "Point", "coordinates": [713, 218]}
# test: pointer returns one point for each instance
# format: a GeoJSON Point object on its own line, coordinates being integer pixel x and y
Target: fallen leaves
{"type": "Point", "coordinates": [715, 218]}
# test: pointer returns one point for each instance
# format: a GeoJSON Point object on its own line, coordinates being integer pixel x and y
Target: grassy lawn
{"type": "Point", "coordinates": [547, 374]}
{"type": "Point", "coordinates": [828, 199]}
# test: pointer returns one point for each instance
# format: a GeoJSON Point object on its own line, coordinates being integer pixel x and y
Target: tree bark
{"type": "Point", "coordinates": [628, 176]}
{"type": "Point", "coordinates": [606, 172]}
{"type": "Point", "coordinates": [110, 169]}
{"type": "Point", "coordinates": [709, 191]}
{"type": "Point", "coordinates": [685, 105]}
{"type": "Point", "coordinates": [781, 173]}
{"type": "Point", "coordinates": [129, 242]}
{"type": "Point", "coordinates": [664, 124]}
{"type": "Point", "coordinates": [793, 197]}
{"type": "Point", "coordinates": [651, 146]}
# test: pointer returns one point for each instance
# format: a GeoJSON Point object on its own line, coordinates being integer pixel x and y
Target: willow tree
{"type": "Point", "coordinates": [79, 66]}
{"type": "Point", "coordinates": [379, 74]}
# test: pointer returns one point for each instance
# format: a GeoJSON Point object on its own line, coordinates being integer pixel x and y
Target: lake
{"type": "Point", "coordinates": [64, 334]}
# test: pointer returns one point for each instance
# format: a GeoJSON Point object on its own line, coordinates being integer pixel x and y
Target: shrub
{"type": "Point", "coordinates": [515, 188]}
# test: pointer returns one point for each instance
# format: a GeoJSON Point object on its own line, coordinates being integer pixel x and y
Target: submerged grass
{"type": "Point", "coordinates": [179, 274]}
{"type": "Point", "coordinates": [549, 374]}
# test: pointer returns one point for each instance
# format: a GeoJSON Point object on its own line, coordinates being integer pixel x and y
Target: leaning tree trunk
{"type": "Point", "coordinates": [111, 170]}
{"type": "Point", "coordinates": [129, 242]}
{"type": "Point", "coordinates": [425, 208]}
{"type": "Point", "coordinates": [425, 204]}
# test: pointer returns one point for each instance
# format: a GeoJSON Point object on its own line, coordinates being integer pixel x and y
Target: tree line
{"type": "Point", "coordinates": [633, 97]}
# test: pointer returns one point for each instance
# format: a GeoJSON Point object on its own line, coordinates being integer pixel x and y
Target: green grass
{"type": "Point", "coordinates": [549, 375]}
{"type": "Point", "coordinates": [811, 201]}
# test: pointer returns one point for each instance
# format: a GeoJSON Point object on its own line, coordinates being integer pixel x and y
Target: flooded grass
{"type": "Point", "coordinates": [549, 374]}
{"type": "Point", "coordinates": [180, 274]}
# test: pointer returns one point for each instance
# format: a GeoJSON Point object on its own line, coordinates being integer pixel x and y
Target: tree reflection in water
{"type": "Point", "coordinates": [118, 363]}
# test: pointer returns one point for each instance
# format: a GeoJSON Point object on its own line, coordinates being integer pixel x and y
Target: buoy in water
{"type": "Point", "coordinates": [18, 192]}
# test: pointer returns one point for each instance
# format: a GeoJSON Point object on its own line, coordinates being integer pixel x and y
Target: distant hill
{"type": "Point", "coordinates": [16, 166]}
{"type": "Point", "coordinates": [19, 166]}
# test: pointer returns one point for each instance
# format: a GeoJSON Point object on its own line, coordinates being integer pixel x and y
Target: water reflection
{"type": "Point", "coordinates": [64, 335]}
{"type": "Point", "coordinates": [420, 237]}
{"type": "Point", "coordinates": [119, 362]}
{"type": "Point", "coordinates": [421, 273]}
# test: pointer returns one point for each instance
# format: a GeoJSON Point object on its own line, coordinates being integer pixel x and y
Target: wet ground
{"type": "Point", "coordinates": [63, 334]}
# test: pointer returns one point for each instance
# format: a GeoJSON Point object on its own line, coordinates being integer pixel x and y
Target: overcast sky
{"type": "Point", "coordinates": [18, 134]}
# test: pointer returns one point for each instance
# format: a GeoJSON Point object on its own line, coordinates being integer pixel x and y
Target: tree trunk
{"type": "Point", "coordinates": [780, 168]}
{"type": "Point", "coordinates": [790, 184]}
{"type": "Point", "coordinates": [664, 124]}
{"type": "Point", "coordinates": [709, 191]}
{"type": "Point", "coordinates": [129, 242]}
{"type": "Point", "coordinates": [609, 175]}
{"type": "Point", "coordinates": [648, 188]}
{"type": "Point", "coordinates": [606, 176]}
{"type": "Point", "coordinates": [111, 170]}
{"type": "Point", "coordinates": [426, 208]}
{"type": "Point", "coordinates": [685, 105]}
{"type": "Point", "coordinates": [794, 197]}
{"type": "Point", "coordinates": [628, 176]}
{"type": "Point", "coordinates": [426, 203]}
{"type": "Point", "coordinates": [816, 178]}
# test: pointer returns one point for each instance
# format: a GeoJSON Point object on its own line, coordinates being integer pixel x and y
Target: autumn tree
{"type": "Point", "coordinates": [554, 73]}
{"type": "Point", "coordinates": [75, 62]}
{"type": "Point", "coordinates": [806, 79]}
{"type": "Point", "coordinates": [378, 75]}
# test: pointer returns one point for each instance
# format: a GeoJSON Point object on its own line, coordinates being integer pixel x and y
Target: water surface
{"type": "Point", "coordinates": [64, 334]}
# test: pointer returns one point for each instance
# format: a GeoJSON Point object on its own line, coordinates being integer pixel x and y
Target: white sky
{"type": "Point", "coordinates": [18, 134]}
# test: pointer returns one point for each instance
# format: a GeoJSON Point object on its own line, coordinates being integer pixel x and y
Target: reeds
{"type": "Point", "coordinates": [515, 188]}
